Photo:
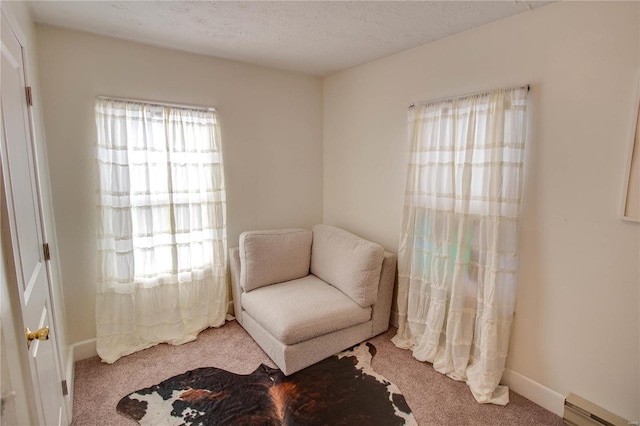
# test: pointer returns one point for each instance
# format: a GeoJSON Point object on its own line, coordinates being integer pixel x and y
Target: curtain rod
{"type": "Point", "coordinates": [166, 104]}
{"type": "Point", "coordinates": [470, 94]}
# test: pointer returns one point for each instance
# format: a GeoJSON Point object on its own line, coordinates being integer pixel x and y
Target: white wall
{"type": "Point", "coordinates": [271, 125]}
{"type": "Point", "coordinates": [577, 324]}
{"type": "Point", "coordinates": [576, 327]}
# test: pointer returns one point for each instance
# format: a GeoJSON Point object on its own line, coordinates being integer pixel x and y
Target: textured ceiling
{"type": "Point", "coordinates": [312, 37]}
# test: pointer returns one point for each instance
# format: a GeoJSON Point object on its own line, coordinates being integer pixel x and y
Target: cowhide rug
{"type": "Point", "coordinates": [341, 390]}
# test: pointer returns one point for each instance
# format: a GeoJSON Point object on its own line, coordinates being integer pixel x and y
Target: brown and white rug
{"type": "Point", "coordinates": [341, 390]}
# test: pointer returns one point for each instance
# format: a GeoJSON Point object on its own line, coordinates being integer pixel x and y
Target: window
{"type": "Point", "coordinates": [458, 249]}
{"type": "Point", "coordinates": [161, 227]}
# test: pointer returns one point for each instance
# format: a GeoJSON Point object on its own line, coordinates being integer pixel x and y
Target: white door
{"type": "Point", "coordinates": [26, 232]}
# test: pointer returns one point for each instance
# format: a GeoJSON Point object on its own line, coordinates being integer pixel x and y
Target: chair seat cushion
{"type": "Point", "coordinates": [301, 309]}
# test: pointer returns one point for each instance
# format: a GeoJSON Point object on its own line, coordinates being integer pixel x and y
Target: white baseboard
{"type": "Point", "coordinates": [77, 352]}
{"type": "Point", "coordinates": [83, 350]}
{"type": "Point", "coordinates": [534, 391]}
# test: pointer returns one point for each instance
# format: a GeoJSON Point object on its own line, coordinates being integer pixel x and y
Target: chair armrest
{"type": "Point", "coordinates": [236, 291]}
{"type": "Point", "coordinates": [382, 308]}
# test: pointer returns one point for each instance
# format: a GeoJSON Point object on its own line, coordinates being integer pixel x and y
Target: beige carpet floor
{"type": "Point", "coordinates": [434, 398]}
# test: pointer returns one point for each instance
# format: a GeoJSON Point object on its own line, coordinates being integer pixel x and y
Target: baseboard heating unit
{"type": "Point", "coordinates": [580, 412]}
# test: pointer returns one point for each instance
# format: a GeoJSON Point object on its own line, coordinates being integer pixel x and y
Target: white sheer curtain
{"type": "Point", "coordinates": [161, 226]}
{"type": "Point", "coordinates": [458, 251]}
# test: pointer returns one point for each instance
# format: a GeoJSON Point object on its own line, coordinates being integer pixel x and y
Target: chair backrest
{"type": "Point", "coordinates": [347, 262]}
{"type": "Point", "coordinates": [273, 256]}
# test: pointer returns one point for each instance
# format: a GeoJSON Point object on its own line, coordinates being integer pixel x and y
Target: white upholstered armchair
{"type": "Point", "coordinates": [306, 295]}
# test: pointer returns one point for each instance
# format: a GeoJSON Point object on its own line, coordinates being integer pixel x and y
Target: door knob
{"type": "Point", "coordinates": [41, 334]}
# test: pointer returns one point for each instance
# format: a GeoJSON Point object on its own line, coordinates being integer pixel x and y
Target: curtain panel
{"type": "Point", "coordinates": [458, 251]}
{"type": "Point", "coordinates": [161, 226]}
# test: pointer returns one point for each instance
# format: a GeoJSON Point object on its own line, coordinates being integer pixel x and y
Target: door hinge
{"type": "Point", "coordinates": [46, 251]}
{"type": "Point", "coordinates": [65, 389]}
{"type": "Point", "coordinates": [28, 95]}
